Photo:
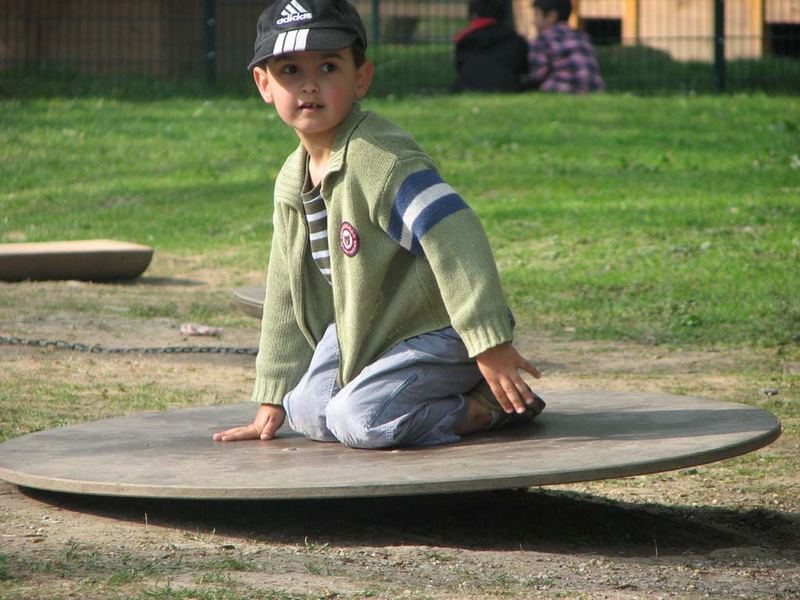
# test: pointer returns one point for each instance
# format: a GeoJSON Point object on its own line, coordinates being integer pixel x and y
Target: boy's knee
{"type": "Point", "coordinates": [304, 417]}
{"type": "Point", "coordinates": [353, 428]}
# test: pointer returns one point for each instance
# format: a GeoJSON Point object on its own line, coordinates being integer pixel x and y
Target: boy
{"type": "Point", "coordinates": [561, 59]}
{"type": "Point", "coordinates": [384, 323]}
{"type": "Point", "coordinates": [490, 56]}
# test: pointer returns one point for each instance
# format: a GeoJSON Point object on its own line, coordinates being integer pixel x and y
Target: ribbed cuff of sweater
{"type": "Point", "coordinates": [488, 335]}
{"type": "Point", "coordinates": [268, 392]}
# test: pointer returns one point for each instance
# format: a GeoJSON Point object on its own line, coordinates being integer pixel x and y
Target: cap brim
{"type": "Point", "coordinates": [293, 40]}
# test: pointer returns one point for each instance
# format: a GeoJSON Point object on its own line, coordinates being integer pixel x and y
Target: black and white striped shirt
{"type": "Point", "coordinates": [317, 218]}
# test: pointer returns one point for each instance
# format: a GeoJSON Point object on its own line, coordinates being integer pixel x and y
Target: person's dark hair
{"type": "Point", "coordinates": [492, 9]}
{"type": "Point", "coordinates": [562, 7]}
{"type": "Point", "coordinates": [359, 55]}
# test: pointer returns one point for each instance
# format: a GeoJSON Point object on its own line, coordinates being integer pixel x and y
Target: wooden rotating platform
{"type": "Point", "coordinates": [581, 436]}
{"type": "Point", "coordinates": [84, 260]}
{"type": "Point", "coordinates": [251, 299]}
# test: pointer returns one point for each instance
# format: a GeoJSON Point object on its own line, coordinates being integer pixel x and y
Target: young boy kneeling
{"type": "Point", "coordinates": [384, 322]}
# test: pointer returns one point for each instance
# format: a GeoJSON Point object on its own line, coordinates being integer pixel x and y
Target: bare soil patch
{"type": "Point", "coordinates": [727, 530]}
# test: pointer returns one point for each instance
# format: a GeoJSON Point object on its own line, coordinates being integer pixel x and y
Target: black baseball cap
{"type": "Point", "coordinates": [296, 25]}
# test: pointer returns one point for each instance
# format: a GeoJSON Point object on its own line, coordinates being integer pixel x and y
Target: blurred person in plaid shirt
{"type": "Point", "coordinates": [561, 59]}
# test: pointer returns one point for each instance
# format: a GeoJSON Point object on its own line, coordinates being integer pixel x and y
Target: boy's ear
{"type": "Point", "coordinates": [262, 83]}
{"type": "Point", "coordinates": [364, 78]}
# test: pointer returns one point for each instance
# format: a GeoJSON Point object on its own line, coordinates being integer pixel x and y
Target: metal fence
{"type": "Point", "coordinates": [642, 45]}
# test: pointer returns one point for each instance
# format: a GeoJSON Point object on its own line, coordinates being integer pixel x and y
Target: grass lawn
{"type": "Point", "coordinates": [665, 220]}
{"type": "Point", "coordinates": [644, 243]}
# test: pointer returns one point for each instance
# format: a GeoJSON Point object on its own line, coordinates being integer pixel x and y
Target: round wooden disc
{"type": "Point", "coordinates": [250, 299]}
{"type": "Point", "coordinates": [582, 435]}
{"type": "Point", "coordinates": [84, 260]}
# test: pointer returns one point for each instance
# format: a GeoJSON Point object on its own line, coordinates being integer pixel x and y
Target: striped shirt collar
{"type": "Point", "coordinates": [298, 159]}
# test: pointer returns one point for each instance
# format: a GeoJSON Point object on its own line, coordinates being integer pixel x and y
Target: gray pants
{"type": "Point", "coordinates": [411, 395]}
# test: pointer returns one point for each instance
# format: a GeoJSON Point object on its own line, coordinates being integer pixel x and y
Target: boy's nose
{"type": "Point", "coordinates": [309, 85]}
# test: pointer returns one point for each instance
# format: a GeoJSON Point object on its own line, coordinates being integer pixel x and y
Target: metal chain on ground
{"type": "Point", "coordinates": [94, 348]}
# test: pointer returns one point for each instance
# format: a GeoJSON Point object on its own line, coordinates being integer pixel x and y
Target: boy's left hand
{"type": "Point", "coordinates": [500, 367]}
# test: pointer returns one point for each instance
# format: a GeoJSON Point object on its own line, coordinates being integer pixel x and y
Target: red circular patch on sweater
{"type": "Point", "coordinates": [348, 239]}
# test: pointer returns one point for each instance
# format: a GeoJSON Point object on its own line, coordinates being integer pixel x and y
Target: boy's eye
{"type": "Point", "coordinates": [328, 68]}
{"type": "Point", "coordinates": [289, 69]}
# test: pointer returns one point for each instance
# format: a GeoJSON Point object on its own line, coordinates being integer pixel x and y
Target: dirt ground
{"type": "Point", "coordinates": [726, 530]}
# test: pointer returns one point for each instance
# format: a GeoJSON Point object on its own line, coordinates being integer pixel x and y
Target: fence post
{"type": "Point", "coordinates": [756, 26]}
{"type": "Point", "coordinates": [630, 23]}
{"type": "Point", "coordinates": [376, 22]}
{"type": "Point", "coordinates": [575, 20]}
{"type": "Point", "coordinates": [211, 41]}
{"type": "Point", "coordinates": [719, 44]}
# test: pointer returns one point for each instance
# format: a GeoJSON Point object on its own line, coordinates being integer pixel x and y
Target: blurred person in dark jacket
{"type": "Point", "coordinates": [490, 56]}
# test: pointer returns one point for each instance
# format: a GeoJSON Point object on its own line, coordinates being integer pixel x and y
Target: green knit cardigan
{"type": "Point", "coordinates": [382, 292]}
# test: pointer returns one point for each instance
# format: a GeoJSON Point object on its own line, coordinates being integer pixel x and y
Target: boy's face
{"type": "Point", "coordinates": [544, 21]}
{"type": "Point", "coordinates": [314, 91]}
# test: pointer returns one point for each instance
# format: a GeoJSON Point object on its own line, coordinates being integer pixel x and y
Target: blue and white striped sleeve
{"type": "Point", "coordinates": [422, 200]}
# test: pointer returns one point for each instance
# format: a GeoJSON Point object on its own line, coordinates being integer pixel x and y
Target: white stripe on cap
{"type": "Point", "coordinates": [297, 6]}
{"type": "Point", "coordinates": [302, 36]}
{"type": "Point", "coordinates": [288, 45]}
{"type": "Point", "coordinates": [278, 49]}
{"type": "Point", "coordinates": [290, 41]}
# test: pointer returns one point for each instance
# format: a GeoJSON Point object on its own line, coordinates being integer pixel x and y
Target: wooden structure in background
{"type": "Point", "coordinates": [165, 38]}
{"type": "Point", "coordinates": [682, 29]}
{"type": "Point", "coordinates": [169, 38]}
{"type": "Point", "coordinates": [685, 30]}
{"type": "Point", "coordinates": [101, 37]}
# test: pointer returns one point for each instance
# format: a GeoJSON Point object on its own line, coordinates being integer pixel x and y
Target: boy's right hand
{"type": "Point", "coordinates": [269, 419]}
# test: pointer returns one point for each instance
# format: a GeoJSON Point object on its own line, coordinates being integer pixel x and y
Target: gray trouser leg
{"type": "Point", "coordinates": [305, 404]}
{"type": "Point", "coordinates": [411, 395]}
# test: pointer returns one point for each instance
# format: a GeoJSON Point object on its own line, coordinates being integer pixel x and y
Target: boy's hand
{"type": "Point", "coordinates": [500, 367]}
{"type": "Point", "coordinates": [269, 419]}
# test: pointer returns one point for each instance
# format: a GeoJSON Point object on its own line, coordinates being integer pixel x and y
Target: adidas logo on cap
{"type": "Point", "coordinates": [292, 13]}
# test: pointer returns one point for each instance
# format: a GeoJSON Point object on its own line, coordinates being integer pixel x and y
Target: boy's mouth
{"type": "Point", "coordinates": [309, 106]}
